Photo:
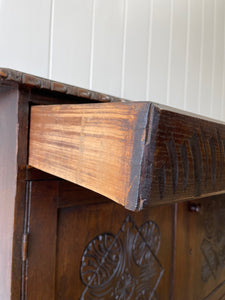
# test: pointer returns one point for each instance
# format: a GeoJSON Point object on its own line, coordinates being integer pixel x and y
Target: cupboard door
{"type": "Point", "coordinates": [42, 229]}
{"type": "Point", "coordinates": [84, 246]}
{"type": "Point", "coordinates": [200, 250]}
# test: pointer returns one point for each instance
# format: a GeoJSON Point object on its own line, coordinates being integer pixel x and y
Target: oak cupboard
{"type": "Point", "coordinates": [103, 198]}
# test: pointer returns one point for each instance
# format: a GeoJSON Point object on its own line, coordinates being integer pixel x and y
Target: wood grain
{"type": "Point", "coordinates": [42, 247]}
{"type": "Point", "coordinates": [81, 224]}
{"type": "Point", "coordinates": [137, 154]}
{"type": "Point", "coordinates": [96, 146]}
{"type": "Point", "coordinates": [189, 157]}
{"type": "Point", "coordinates": [200, 244]}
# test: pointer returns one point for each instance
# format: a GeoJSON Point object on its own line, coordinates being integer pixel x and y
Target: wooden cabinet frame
{"type": "Point", "coordinates": [166, 168]}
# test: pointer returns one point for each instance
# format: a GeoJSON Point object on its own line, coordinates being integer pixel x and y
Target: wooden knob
{"type": "Point", "coordinates": [195, 208]}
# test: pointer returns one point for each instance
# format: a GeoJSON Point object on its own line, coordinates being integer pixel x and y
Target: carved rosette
{"type": "Point", "coordinates": [122, 266]}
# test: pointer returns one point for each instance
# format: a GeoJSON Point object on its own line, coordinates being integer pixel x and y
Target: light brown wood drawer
{"type": "Point", "coordinates": [136, 153]}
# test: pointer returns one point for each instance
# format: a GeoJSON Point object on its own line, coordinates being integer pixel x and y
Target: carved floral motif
{"type": "Point", "coordinates": [123, 266]}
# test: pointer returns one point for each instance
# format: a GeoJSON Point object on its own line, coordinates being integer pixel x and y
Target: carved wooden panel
{"type": "Point", "coordinates": [95, 249]}
{"type": "Point", "coordinates": [189, 159]}
{"type": "Point", "coordinates": [213, 243]}
{"type": "Point", "coordinates": [123, 266]}
{"type": "Point", "coordinates": [200, 249]}
{"type": "Point", "coordinates": [110, 253]}
{"type": "Point", "coordinates": [98, 250]}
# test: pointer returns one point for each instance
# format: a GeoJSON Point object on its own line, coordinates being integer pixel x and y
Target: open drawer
{"type": "Point", "coordinates": [136, 153]}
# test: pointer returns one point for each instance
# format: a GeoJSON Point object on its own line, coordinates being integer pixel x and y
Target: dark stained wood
{"type": "Point", "coordinates": [35, 174]}
{"type": "Point", "coordinates": [148, 235]}
{"type": "Point", "coordinates": [21, 196]}
{"type": "Point", "coordinates": [96, 219]}
{"type": "Point", "coordinates": [103, 220]}
{"type": "Point", "coordinates": [98, 146]}
{"type": "Point", "coordinates": [75, 195]}
{"type": "Point", "coordinates": [189, 157]}
{"type": "Point", "coordinates": [42, 233]}
{"type": "Point", "coordinates": [200, 245]}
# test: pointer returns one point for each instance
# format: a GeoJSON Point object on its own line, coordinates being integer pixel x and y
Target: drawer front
{"type": "Point", "coordinates": [137, 154]}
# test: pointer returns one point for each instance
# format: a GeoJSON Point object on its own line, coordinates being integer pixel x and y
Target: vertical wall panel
{"type": "Point", "coordinates": [167, 51]}
{"type": "Point", "coordinates": [108, 46]}
{"type": "Point", "coordinates": [159, 52]}
{"type": "Point", "coordinates": [136, 47]}
{"type": "Point", "coordinates": [178, 54]}
{"type": "Point", "coordinates": [193, 57]}
{"type": "Point", "coordinates": [71, 41]}
{"type": "Point", "coordinates": [24, 35]}
{"type": "Point", "coordinates": [222, 115]}
{"type": "Point", "coordinates": [217, 80]}
{"type": "Point", "coordinates": [207, 60]}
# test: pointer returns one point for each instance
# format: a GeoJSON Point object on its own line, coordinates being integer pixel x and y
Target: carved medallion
{"type": "Point", "coordinates": [213, 244]}
{"type": "Point", "coordinates": [123, 266]}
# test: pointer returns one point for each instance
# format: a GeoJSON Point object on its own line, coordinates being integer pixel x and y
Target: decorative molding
{"type": "Point", "coordinates": [189, 158]}
{"type": "Point", "coordinates": [41, 83]}
{"type": "Point", "coordinates": [123, 266]}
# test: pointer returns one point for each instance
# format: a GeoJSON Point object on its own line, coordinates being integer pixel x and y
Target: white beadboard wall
{"type": "Point", "coordinates": [166, 51]}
